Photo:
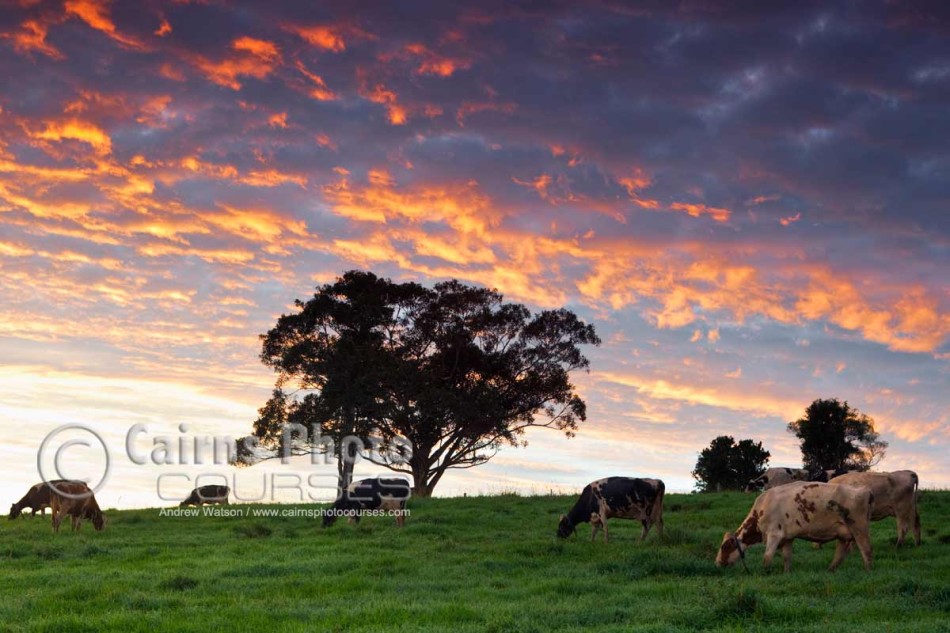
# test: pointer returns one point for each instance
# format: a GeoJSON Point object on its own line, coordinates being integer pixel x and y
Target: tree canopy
{"type": "Point", "coordinates": [729, 465]}
{"type": "Point", "coordinates": [834, 435]}
{"type": "Point", "coordinates": [454, 370]}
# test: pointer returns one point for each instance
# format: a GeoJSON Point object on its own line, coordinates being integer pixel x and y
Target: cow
{"type": "Point", "coordinates": [36, 498]}
{"type": "Point", "coordinates": [621, 497]}
{"type": "Point", "coordinates": [207, 494]}
{"type": "Point", "coordinates": [811, 511]}
{"type": "Point", "coordinates": [824, 476]}
{"type": "Point", "coordinates": [380, 493]}
{"type": "Point", "coordinates": [895, 495]}
{"type": "Point", "coordinates": [773, 477]}
{"type": "Point", "coordinates": [75, 499]}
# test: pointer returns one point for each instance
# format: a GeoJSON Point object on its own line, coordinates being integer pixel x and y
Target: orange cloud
{"type": "Point", "coordinates": [32, 37]}
{"type": "Point", "coordinates": [726, 396]}
{"type": "Point", "coordinates": [329, 37]}
{"type": "Point", "coordinates": [469, 108]}
{"type": "Point", "coordinates": [319, 90]}
{"type": "Point", "coordinates": [697, 210]}
{"type": "Point", "coordinates": [432, 63]}
{"type": "Point", "coordinates": [254, 58]}
{"type": "Point", "coordinates": [163, 29]}
{"type": "Point", "coordinates": [326, 37]}
{"type": "Point", "coordinates": [459, 206]}
{"type": "Point", "coordinates": [790, 219]}
{"type": "Point", "coordinates": [378, 93]}
{"type": "Point", "coordinates": [76, 129]}
{"type": "Point", "coordinates": [95, 13]}
{"type": "Point", "coordinates": [539, 184]}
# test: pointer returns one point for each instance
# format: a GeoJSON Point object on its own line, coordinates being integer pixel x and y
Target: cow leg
{"type": "Point", "coordinates": [76, 524]}
{"type": "Point", "coordinates": [771, 545]}
{"type": "Point", "coordinates": [901, 528]}
{"type": "Point", "coordinates": [57, 519]}
{"type": "Point", "coordinates": [916, 527]}
{"type": "Point", "coordinates": [863, 541]}
{"type": "Point", "coordinates": [646, 530]}
{"type": "Point", "coordinates": [840, 552]}
{"type": "Point", "coordinates": [787, 555]}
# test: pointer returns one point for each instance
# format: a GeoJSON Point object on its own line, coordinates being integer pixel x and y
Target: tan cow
{"type": "Point", "coordinates": [76, 500]}
{"type": "Point", "coordinates": [895, 495]}
{"type": "Point", "coordinates": [810, 511]}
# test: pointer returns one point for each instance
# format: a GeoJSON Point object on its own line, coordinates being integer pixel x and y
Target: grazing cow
{"type": "Point", "coordinates": [811, 511]}
{"type": "Point", "coordinates": [825, 476]}
{"type": "Point", "coordinates": [773, 477]}
{"type": "Point", "coordinates": [380, 493]}
{"type": "Point", "coordinates": [895, 495]}
{"type": "Point", "coordinates": [621, 497]}
{"type": "Point", "coordinates": [207, 494]}
{"type": "Point", "coordinates": [36, 498]}
{"type": "Point", "coordinates": [75, 499]}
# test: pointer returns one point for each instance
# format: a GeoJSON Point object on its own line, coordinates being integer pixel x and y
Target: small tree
{"type": "Point", "coordinates": [834, 435]}
{"type": "Point", "coordinates": [727, 465]}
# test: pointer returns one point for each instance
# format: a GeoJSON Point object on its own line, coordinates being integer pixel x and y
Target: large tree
{"type": "Point", "coordinates": [834, 435]}
{"type": "Point", "coordinates": [454, 370]}
{"type": "Point", "coordinates": [729, 465]}
{"type": "Point", "coordinates": [331, 352]}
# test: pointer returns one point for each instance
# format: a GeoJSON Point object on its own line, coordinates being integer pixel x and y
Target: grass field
{"type": "Point", "coordinates": [464, 564]}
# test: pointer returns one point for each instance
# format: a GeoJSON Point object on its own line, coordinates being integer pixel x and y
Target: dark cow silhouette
{"type": "Point", "coordinates": [371, 494]}
{"type": "Point", "coordinates": [36, 498]}
{"type": "Point", "coordinates": [207, 494]}
{"type": "Point", "coordinates": [75, 499]}
{"type": "Point", "coordinates": [621, 497]}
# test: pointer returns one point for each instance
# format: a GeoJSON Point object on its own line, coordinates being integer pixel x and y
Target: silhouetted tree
{"type": "Point", "coordinates": [727, 465]}
{"type": "Point", "coordinates": [834, 435]}
{"type": "Point", "coordinates": [454, 370]}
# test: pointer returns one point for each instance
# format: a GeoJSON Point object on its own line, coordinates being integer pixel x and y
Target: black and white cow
{"type": "Point", "coordinates": [388, 494]}
{"type": "Point", "coordinates": [621, 497]}
{"type": "Point", "coordinates": [211, 494]}
{"type": "Point", "coordinates": [774, 477]}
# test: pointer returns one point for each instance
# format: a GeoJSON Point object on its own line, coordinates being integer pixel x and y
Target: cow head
{"type": "Point", "coordinates": [729, 551]}
{"type": "Point", "coordinates": [15, 511]}
{"type": "Point", "coordinates": [98, 521]}
{"type": "Point", "coordinates": [756, 484]}
{"type": "Point", "coordinates": [565, 527]}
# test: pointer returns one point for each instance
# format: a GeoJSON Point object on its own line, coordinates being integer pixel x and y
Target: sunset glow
{"type": "Point", "coordinates": [751, 209]}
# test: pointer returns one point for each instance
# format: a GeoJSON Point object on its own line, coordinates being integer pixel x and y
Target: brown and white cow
{"type": "Point", "coordinates": [774, 477]}
{"type": "Point", "coordinates": [811, 511]}
{"type": "Point", "coordinates": [621, 497]}
{"type": "Point", "coordinates": [76, 500]}
{"type": "Point", "coordinates": [36, 498]}
{"type": "Point", "coordinates": [895, 495]}
{"type": "Point", "coordinates": [211, 494]}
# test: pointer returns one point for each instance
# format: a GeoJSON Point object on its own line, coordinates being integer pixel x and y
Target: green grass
{"type": "Point", "coordinates": [466, 564]}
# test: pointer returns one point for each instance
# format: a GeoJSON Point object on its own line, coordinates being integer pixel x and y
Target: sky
{"type": "Point", "coordinates": [748, 200]}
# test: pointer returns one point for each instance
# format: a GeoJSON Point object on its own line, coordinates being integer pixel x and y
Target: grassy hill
{"type": "Point", "coordinates": [465, 564]}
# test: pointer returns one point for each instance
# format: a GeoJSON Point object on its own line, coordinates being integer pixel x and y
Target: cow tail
{"type": "Point", "coordinates": [916, 514]}
{"type": "Point", "coordinates": [657, 515]}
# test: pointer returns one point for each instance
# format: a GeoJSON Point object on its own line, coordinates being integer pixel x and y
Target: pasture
{"type": "Point", "coordinates": [461, 564]}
